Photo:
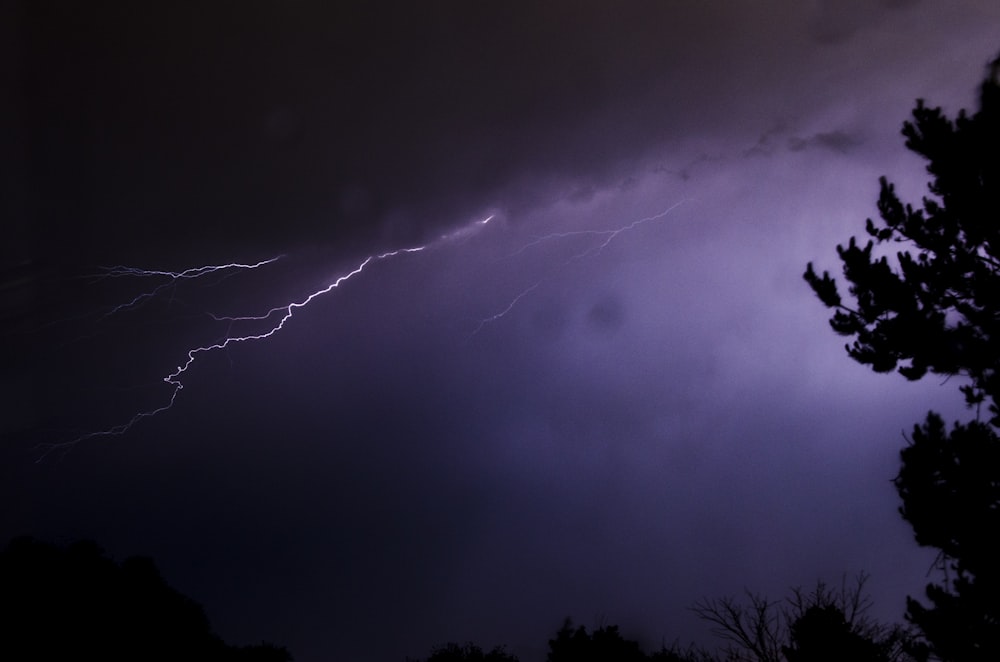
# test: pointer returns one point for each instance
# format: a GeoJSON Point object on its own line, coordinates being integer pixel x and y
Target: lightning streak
{"type": "Point", "coordinates": [608, 235]}
{"type": "Point", "coordinates": [290, 308]}
{"type": "Point", "coordinates": [510, 307]}
{"type": "Point", "coordinates": [283, 313]}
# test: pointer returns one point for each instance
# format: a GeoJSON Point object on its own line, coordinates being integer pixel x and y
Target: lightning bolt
{"type": "Point", "coordinates": [607, 235]}
{"type": "Point", "coordinates": [282, 314]}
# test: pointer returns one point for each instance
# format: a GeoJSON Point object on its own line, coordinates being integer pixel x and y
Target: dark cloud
{"type": "Point", "coordinates": [165, 121]}
{"type": "Point", "coordinates": [838, 141]}
{"type": "Point", "coordinates": [765, 144]}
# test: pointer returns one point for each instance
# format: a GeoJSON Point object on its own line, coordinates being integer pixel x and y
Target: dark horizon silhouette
{"type": "Point", "coordinates": [73, 601]}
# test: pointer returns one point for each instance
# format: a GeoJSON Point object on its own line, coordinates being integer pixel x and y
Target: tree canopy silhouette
{"type": "Point", "coordinates": [74, 602]}
{"type": "Point", "coordinates": [935, 308]}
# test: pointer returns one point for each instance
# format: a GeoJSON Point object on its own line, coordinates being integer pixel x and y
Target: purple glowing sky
{"type": "Point", "coordinates": [660, 417]}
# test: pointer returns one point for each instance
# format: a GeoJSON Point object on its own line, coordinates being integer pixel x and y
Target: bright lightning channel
{"type": "Point", "coordinates": [282, 313]}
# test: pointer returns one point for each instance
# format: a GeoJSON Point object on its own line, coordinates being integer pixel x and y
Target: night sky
{"type": "Point", "coordinates": [531, 418]}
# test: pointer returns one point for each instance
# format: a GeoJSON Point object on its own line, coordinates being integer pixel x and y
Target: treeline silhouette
{"type": "Point", "coordinates": [822, 625]}
{"type": "Point", "coordinates": [73, 602]}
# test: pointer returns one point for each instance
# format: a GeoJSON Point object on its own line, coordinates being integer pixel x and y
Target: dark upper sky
{"type": "Point", "coordinates": [530, 419]}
